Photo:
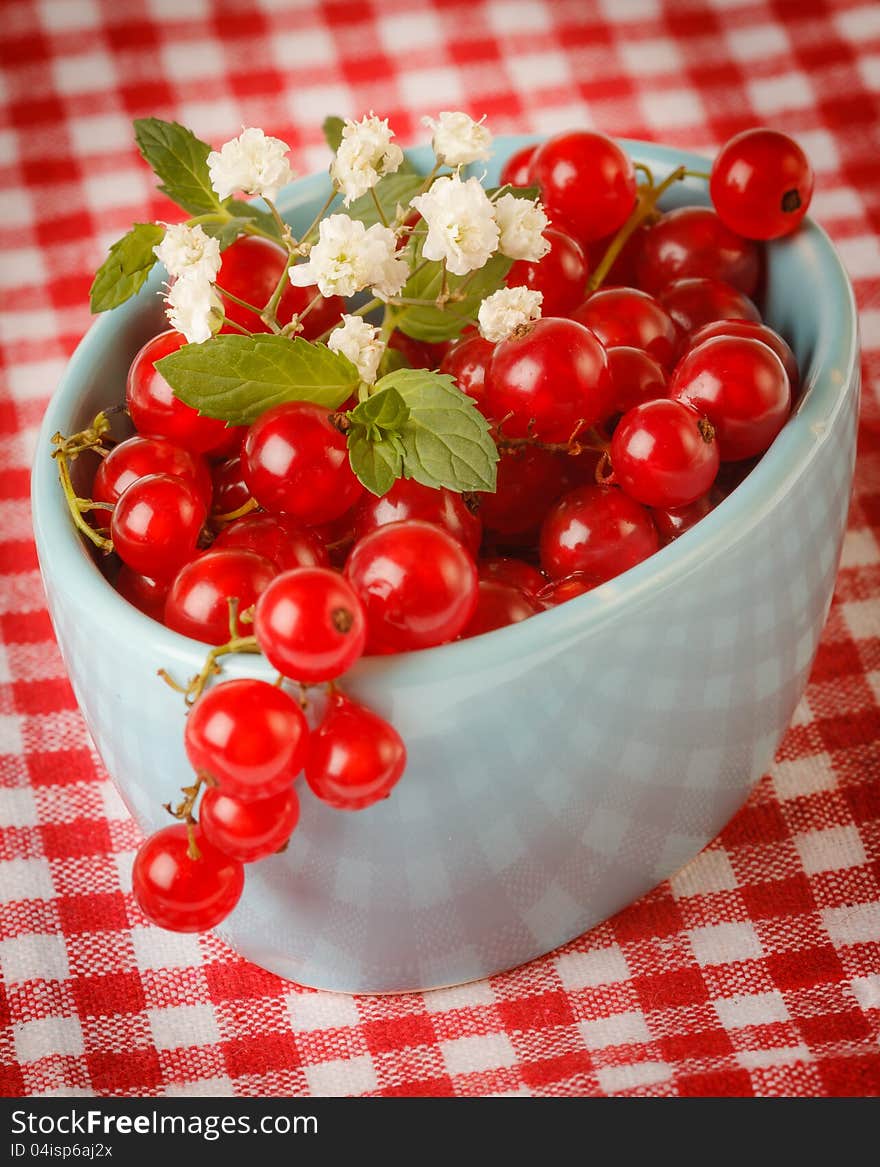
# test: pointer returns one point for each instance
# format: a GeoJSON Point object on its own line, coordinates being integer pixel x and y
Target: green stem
{"type": "Point", "coordinates": [304, 238]}
{"type": "Point", "coordinates": [378, 206]}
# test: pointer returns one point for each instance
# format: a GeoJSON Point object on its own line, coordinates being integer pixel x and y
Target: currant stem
{"type": "Point", "coordinates": [68, 449]}
{"type": "Point", "coordinates": [195, 688]}
{"type": "Point", "coordinates": [231, 516]}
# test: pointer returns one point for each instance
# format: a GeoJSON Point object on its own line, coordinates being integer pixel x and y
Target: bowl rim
{"type": "Point", "coordinates": [834, 376]}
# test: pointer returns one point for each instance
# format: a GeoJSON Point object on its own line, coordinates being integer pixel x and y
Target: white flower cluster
{"type": "Point", "coordinates": [192, 260]}
{"type": "Point", "coordinates": [506, 310]}
{"type": "Point", "coordinates": [366, 153]}
{"type": "Point", "coordinates": [349, 257]}
{"type": "Point", "coordinates": [251, 163]}
{"type": "Point", "coordinates": [458, 139]}
{"type": "Point", "coordinates": [359, 341]}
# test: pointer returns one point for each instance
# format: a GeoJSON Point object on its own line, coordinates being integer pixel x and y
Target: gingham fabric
{"type": "Point", "coordinates": [756, 969]}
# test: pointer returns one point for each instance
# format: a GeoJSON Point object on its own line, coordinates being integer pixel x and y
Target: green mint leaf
{"type": "Point", "coordinates": [124, 272]}
{"type": "Point", "coordinates": [332, 127]}
{"type": "Point", "coordinates": [436, 324]}
{"type": "Point", "coordinates": [237, 378]}
{"type": "Point", "coordinates": [446, 440]}
{"type": "Point", "coordinates": [518, 192]}
{"type": "Point", "coordinates": [391, 190]}
{"type": "Point", "coordinates": [385, 412]}
{"type": "Point", "coordinates": [179, 159]}
{"type": "Point", "coordinates": [377, 463]}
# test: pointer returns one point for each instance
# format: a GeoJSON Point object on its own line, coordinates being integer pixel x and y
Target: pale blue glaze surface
{"type": "Point", "coordinates": [557, 769]}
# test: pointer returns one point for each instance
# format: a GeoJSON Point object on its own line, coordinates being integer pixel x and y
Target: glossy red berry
{"type": "Point", "coordinates": [635, 377]}
{"type": "Point", "coordinates": [230, 491]}
{"type": "Point", "coordinates": [547, 378]}
{"type": "Point", "coordinates": [674, 521]}
{"type": "Point", "coordinates": [514, 572]}
{"type": "Point", "coordinates": [517, 169]}
{"type": "Point", "coordinates": [755, 331]}
{"type": "Point", "coordinates": [588, 184]}
{"type": "Point", "coordinates": [248, 829]}
{"type": "Point", "coordinates": [498, 605]}
{"type": "Point", "coordinates": [249, 735]}
{"type": "Point", "coordinates": [310, 624]}
{"type": "Point", "coordinates": [147, 595]}
{"type": "Point", "coordinates": [741, 386]}
{"type": "Point", "coordinates": [183, 894]}
{"type": "Point", "coordinates": [693, 303]}
{"type": "Point", "coordinates": [419, 354]}
{"type": "Point", "coordinates": [560, 591]}
{"type": "Point", "coordinates": [136, 457]}
{"type": "Point", "coordinates": [467, 362]}
{"type": "Point", "coordinates": [560, 277]}
{"type": "Point", "coordinates": [296, 462]}
{"type": "Point", "coordinates": [628, 317]}
{"type": "Point", "coordinates": [622, 272]}
{"type": "Point", "coordinates": [156, 412]}
{"type": "Point", "coordinates": [761, 184]}
{"type": "Point", "coordinates": [417, 583]}
{"type": "Point", "coordinates": [197, 604]}
{"type": "Point", "coordinates": [156, 524]}
{"type": "Point", "coordinates": [529, 480]}
{"type": "Point", "coordinates": [279, 538]}
{"type": "Point", "coordinates": [693, 243]}
{"type": "Point", "coordinates": [597, 531]}
{"type": "Point", "coordinates": [408, 499]}
{"type": "Point", "coordinates": [664, 454]}
{"type": "Point", "coordinates": [355, 757]}
{"type": "Point", "coordinates": [251, 269]}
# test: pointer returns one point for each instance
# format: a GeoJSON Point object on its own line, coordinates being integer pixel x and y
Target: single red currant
{"type": "Point", "coordinates": [198, 601]}
{"type": "Point", "coordinates": [693, 303]}
{"type": "Point", "coordinates": [249, 735]}
{"type": "Point", "coordinates": [597, 531]}
{"type": "Point", "coordinates": [277, 537]}
{"type": "Point", "coordinates": [635, 377]}
{"type": "Point", "coordinates": [419, 354]}
{"type": "Point", "coordinates": [628, 317]}
{"type": "Point", "coordinates": [230, 491]}
{"type": "Point", "coordinates": [180, 893]}
{"type": "Point", "coordinates": [674, 521]}
{"type": "Point", "coordinates": [762, 332]}
{"type": "Point", "coordinates": [741, 386]}
{"type": "Point", "coordinates": [154, 409]}
{"type": "Point", "coordinates": [560, 591]}
{"type": "Point", "coordinates": [528, 481]}
{"type": "Point", "coordinates": [561, 276]}
{"type": "Point", "coordinates": [498, 605]}
{"type": "Point", "coordinates": [296, 462]}
{"type": "Point", "coordinates": [587, 182]}
{"type": "Point", "coordinates": [156, 524]}
{"type": "Point", "coordinates": [310, 624]}
{"type": "Point", "coordinates": [516, 171]}
{"type": "Point", "coordinates": [516, 573]}
{"type": "Point", "coordinates": [547, 379]}
{"type": "Point", "coordinates": [147, 595]}
{"type": "Point", "coordinates": [467, 361]}
{"type": "Point", "coordinates": [664, 454]}
{"type": "Point", "coordinates": [355, 757]}
{"type": "Point", "coordinates": [408, 499]}
{"type": "Point", "coordinates": [693, 243]}
{"type": "Point", "coordinates": [417, 583]}
{"type": "Point", "coordinates": [136, 457]}
{"type": "Point", "coordinates": [761, 184]}
{"type": "Point", "coordinates": [248, 829]}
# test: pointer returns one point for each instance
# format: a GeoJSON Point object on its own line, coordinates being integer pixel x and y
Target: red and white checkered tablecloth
{"type": "Point", "coordinates": [756, 969]}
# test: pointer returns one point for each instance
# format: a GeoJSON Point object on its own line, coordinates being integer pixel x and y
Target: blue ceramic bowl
{"type": "Point", "coordinates": [558, 768]}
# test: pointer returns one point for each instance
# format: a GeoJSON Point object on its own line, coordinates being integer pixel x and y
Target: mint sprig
{"type": "Point", "coordinates": [125, 270]}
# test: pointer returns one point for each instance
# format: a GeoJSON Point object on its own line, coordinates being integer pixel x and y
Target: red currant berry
{"type": "Point", "coordinates": [587, 183]}
{"type": "Point", "coordinates": [251, 269]}
{"type": "Point", "coordinates": [674, 521]}
{"type": "Point", "coordinates": [529, 480]}
{"type": "Point", "coordinates": [498, 605]}
{"type": "Point", "coordinates": [598, 531]}
{"type": "Point", "coordinates": [635, 377]}
{"type": "Point", "coordinates": [755, 331]}
{"type": "Point", "coordinates": [516, 171]}
{"type": "Point", "coordinates": [296, 462]}
{"type": "Point", "coordinates": [198, 602]}
{"type": "Point", "coordinates": [355, 757]}
{"type": "Point", "coordinates": [230, 489]}
{"type": "Point", "coordinates": [516, 573]}
{"type": "Point", "coordinates": [467, 362]}
{"type": "Point", "coordinates": [419, 354]}
{"type": "Point", "coordinates": [664, 454]}
{"type": "Point", "coordinates": [560, 591]}
{"type": "Point", "coordinates": [154, 409]}
{"type": "Point", "coordinates": [628, 317]}
{"type": "Point", "coordinates": [136, 457]}
{"type": "Point", "coordinates": [408, 499]}
{"type": "Point", "coordinates": [561, 276]}
{"type": "Point", "coordinates": [147, 595]}
{"type": "Point", "coordinates": [249, 735]}
{"type": "Point", "coordinates": [183, 894]}
{"type": "Point", "coordinates": [248, 829]}
{"type": "Point", "coordinates": [310, 624]}
{"type": "Point", "coordinates": [761, 184]}
{"type": "Point", "coordinates": [741, 386]}
{"type": "Point", "coordinates": [693, 243]}
{"type": "Point", "coordinates": [417, 583]}
{"type": "Point", "coordinates": [622, 272]}
{"type": "Point", "coordinates": [693, 303]}
{"type": "Point", "coordinates": [547, 378]}
{"type": "Point", "coordinates": [277, 537]}
{"type": "Point", "coordinates": [156, 524]}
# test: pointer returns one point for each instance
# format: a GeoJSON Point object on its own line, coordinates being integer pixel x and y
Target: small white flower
{"type": "Point", "coordinates": [359, 341]}
{"type": "Point", "coordinates": [505, 310]}
{"type": "Point", "coordinates": [194, 308]}
{"type": "Point", "coordinates": [458, 139]}
{"type": "Point", "coordinates": [251, 163]}
{"type": "Point", "coordinates": [365, 154]}
{"type": "Point", "coordinates": [522, 223]}
{"type": "Point", "coordinates": [189, 251]}
{"type": "Point", "coordinates": [461, 224]}
{"type": "Point", "coordinates": [349, 257]}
